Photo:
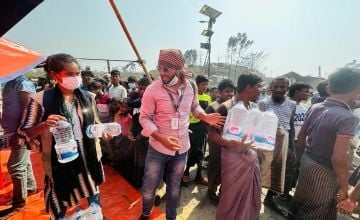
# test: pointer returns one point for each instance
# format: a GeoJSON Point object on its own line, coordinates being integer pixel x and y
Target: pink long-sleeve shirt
{"type": "Point", "coordinates": [157, 110]}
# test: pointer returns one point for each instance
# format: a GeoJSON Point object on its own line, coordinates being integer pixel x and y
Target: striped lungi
{"type": "Point", "coordinates": [315, 195]}
{"type": "Point", "coordinates": [273, 163]}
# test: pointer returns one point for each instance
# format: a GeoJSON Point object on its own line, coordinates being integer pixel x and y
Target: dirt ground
{"type": "Point", "coordinates": [195, 205]}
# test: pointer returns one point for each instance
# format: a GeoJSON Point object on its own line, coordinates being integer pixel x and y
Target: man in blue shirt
{"type": "Point", "coordinates": [16, 95]}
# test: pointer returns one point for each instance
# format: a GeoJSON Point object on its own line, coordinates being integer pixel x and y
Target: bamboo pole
{"type": "Point", "coordinates": [123, 25]}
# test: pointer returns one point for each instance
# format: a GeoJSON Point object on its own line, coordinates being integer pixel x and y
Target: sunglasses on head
{"type": "Point", "coordinates": [165, 69]}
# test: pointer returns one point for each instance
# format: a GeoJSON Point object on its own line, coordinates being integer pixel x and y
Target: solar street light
{"type": "Point", "coordinates": [212, 14]}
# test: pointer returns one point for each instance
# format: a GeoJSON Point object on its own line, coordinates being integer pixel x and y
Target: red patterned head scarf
{"type": "Point", "coordinates": [172, 58]}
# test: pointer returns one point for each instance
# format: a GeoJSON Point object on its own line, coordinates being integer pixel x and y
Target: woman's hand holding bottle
{"type": "Point", "coordinates": [53, 119]}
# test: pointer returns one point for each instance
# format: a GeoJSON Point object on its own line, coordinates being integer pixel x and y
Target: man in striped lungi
{"type": "Point", "coordinates": [326, 133]}
{"type": "Point", "coordinates": [278, 167]}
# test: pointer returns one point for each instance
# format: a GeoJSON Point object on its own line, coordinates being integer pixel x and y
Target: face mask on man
{"type": "Point", "coordinates": [131, 85]}
{"type": "Point", "coordinates": [173, 82]}
{"type": "Point", "coordinates": [71, 82]}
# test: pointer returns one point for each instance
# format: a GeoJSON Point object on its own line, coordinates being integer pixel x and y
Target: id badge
{"type": "Point", "coordinates": [174, 123]}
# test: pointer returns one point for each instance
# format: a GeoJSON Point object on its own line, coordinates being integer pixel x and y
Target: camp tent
{"type": "Point", "coordinates": [16, 60]}
{"type": "Point", "coordinates": [12, 11]}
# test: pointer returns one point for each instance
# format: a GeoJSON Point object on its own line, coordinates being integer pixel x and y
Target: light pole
{"type": "Point", "coordinates": [212, 14]}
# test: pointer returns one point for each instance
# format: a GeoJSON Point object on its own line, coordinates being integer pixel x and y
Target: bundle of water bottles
{"type": "Point", "coordinates": [258, 126]}
{"type": "Point", "coordinates": [93, 212]}
{"type": "Point", "coordinates": [65, 143]}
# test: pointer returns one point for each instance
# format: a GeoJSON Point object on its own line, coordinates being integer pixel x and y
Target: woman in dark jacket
{"type": "Point", "coordinates": [65, 183]}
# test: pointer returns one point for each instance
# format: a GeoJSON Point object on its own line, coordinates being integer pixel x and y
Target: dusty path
{"type": "Point", "coordinates": [196, 206]}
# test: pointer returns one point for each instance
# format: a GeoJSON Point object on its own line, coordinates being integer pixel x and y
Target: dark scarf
{"type": "Point", "coordinates": [54, 103]}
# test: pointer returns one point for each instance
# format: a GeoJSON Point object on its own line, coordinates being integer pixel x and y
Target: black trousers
{"type": "Point", "coordinates": [196, 154]}
{"type": "Point", "coordinates": [214, 166]}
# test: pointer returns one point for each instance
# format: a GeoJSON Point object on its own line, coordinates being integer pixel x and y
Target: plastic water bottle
{"type": "Point", "coordinates": [254, 120]}
{"type": "Point", "coordinates": [235, 127]}
{"type": "Point", "coordinates": [95, 212]}
{"type": "Point", "coordinates": [66, 146]}
{"type": "Point", "coordinates": [96, 130]}
{"type": "Point", "coordinates": [264, 133]}
{"type": "Point", "coordinates": [78, 215]}
{"type": "Point", "coordinates": [226, 125]}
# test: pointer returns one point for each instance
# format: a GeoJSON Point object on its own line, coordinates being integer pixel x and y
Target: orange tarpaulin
{"type": "Point", "coordinates": [16, 60]}
{"type": "Point", "coordinates": [5, 180]}
{"type": "Point", "coordinates": [119, 199]}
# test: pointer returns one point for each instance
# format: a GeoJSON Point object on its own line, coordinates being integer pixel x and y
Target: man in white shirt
{"type": "Point", "coordinates": [116, 90]}
{"type": "Point", "coordinates": [299, 92]}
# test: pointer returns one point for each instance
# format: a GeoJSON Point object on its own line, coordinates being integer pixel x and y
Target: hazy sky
{"type": "Point", "coordinates": [299, 35]}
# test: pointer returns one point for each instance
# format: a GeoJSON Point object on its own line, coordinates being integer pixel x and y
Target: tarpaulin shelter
{"type": "Point", "coordinates": [16, 60]}
{"type": "Point", "coordinates": [120, 200]}
{"type": "Point", "coordinates": [12, 11]}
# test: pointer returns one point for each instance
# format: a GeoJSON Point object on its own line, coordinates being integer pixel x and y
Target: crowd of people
{"type": "Point", "coordinates": [167, 126]}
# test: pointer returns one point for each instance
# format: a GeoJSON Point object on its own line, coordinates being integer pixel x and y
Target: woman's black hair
{"type": "Point", "coordinates": [58, 61]}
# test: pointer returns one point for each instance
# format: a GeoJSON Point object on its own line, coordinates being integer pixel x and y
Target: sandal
{"type": "Point", "coordinates": [185, 181]}
{"type": "Point", "coordinates": [201, 181]}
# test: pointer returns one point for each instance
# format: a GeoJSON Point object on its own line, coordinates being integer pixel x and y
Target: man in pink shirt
{"type": "Point", "coordinates": [164, 116]}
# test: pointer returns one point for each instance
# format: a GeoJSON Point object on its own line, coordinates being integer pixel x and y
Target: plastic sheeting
{"type": "Point", "coordinates": [16, 60]}
{"type": "Point", "coordinates": [119, 199]}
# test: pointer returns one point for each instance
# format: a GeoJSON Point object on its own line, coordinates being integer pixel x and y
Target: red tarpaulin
{"type": "Point", "coordinates": [16, 60]}
{"type": "Point", "coordinates": [120, 200]}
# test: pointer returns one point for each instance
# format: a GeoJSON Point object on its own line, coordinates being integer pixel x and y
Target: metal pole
{"type": "Point", "coordinates": [123, 25]}
{"type": "Point", "coordinates": [209, 59]}
{"type": "Point", "coordinates": [108, 65]}
{"type": "Point", "coordinates": [209, 29]}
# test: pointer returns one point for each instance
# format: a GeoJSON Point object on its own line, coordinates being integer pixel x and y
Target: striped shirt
{"type": "Point", "coordinates": [282, 110]}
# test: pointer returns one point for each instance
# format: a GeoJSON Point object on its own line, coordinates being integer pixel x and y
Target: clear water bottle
{"type": "Point", "coordinates": [236, 125]}
{"type": "Point", "coordinates": [264, 133]}
{"type": "Point", "coordinates": [96, 130]}
{"type": "Point", "coordinates": [65, 144]}
{"type": "Point", "coordinates": [226, 125]}
{"type": "Point", "coordinates": [78, 215]}
{"type": "Point", "coordinates": [95, 212]}
{"type": "Point", "coordinates": [254, 120]}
